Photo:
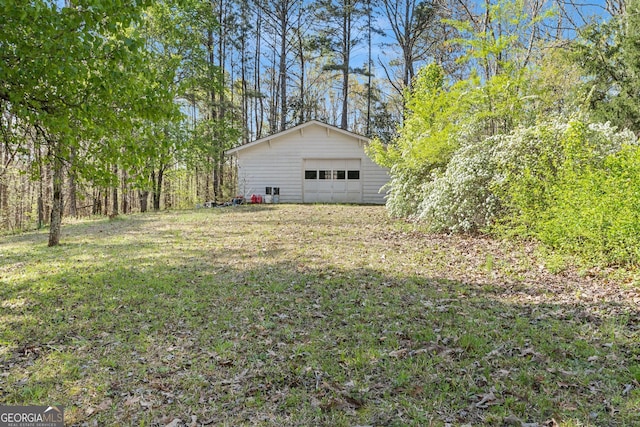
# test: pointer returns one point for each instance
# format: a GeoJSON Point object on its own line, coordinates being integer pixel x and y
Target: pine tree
{"type": "Point", "coordinates": [609, 53]}
{"type": "Point", "coordinates": [338, 36]}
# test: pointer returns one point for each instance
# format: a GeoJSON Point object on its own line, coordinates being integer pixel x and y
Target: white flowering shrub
{"type": "Point", "coordinates": [460, 199]}
{"type": "Point", "coordinates": [573, 185]}
{"type": "Point", "coordinates": [470, 195]}
{"type": "Point", "coordinates": [405, 190]}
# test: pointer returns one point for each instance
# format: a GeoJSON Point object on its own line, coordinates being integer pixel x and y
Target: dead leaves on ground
{"type": "Point", "coordinates": [292, 316]}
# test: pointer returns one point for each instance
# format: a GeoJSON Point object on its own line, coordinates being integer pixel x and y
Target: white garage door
{"type": "Point", "coordinates": [332, 181]}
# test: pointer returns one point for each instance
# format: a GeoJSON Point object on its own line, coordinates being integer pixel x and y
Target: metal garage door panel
{"type": "Point", "coordinates": [325, 182]}
{"type": "Point", "coordinates": [332, 182]}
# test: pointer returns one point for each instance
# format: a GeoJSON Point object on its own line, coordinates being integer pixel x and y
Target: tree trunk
{"type": "Point", "coordinates": [56, 211]}
{"type": "Point", "coordinates": [302, 117]}
{"type": "Point", "coordinates": [222, 59]}
{"type": "Point", "coordinates": [216, 181]}
{"type": "Point", "coordinates": [40, 188]}
{"type": "Point", "coordinates": [346, 55]}
{"type": "Point", "coordinates": [126, 206]}
{"type": "Point", "coordinates": [243, 80]}
{"type": "Point", "coordinates": [157, 188]}
{"type": "Point", "coordinates": [40, 210]}
{"type": "Point", "coordinates": [219, 180]}
{"type": "Point", "coordinates": [97, 203]}
{"type": "Point", "coordinates": [73, 206]}
{"type": "Point", "coordinates": [114, 195]}
{"type": "Point", "coordinates": [368, 126]}
{"type": "Point", "coordinates": [207, 184]}
{"type": "Point", "coordinates": [4, 200]}
{"type": "Point", "coordinates": [143, 197]}
{"type": "Point", "coordinates": [168, 199]}
{"type": "Point", "coordinates": [40, 204]}
{"type": "Point", "coordinates": [259, 108]}
{"type": "Point", "coordinates": [282, 67]}
{"type": "Point", "coordinates": [46, 177]}
{"type": "Point", "coordinates": [105, 205]}
{"type": "Point", "coordinates": [4, 189]}
{"type": "Point", "coordinates": [274, 99]}
{"type": "Point", "coordinates": [73, 203]}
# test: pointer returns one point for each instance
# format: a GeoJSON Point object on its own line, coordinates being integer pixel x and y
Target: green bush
{"type": "Point", "coordinates": [597, 210]}
{"type": "Point", "coordinates": [581, 195]}
{"type": "Point", "coordinates": [476, 187]}
{"type": "Point", "coordinates": [574, 186]}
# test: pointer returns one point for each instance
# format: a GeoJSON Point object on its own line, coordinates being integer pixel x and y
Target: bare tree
{"type": "Point", "coordinates": [412, 23]}
{"type": "Point", "coordinates": [281, 22]}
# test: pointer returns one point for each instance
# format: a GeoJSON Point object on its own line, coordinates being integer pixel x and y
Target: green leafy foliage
{"type": "Point", "coordinates": [426, 141]}
{"type": "Point", "coordinates": [174, 32]}
{"type": "Point", "coordinates": [571, 185]}
{"type": "Point", "coordinates": [442, 118]}
{"type": "Point", "coordinates": [80, 77]}
{"type": "Point", "coordinates": [580, 194]}
{"type": "Point", "coordinates": [608, 55]}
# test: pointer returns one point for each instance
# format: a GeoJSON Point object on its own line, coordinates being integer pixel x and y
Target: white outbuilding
{"type": "Point", "coordinates": [310, 163]}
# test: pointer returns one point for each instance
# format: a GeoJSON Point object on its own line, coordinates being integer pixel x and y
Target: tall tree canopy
{"type": "Point", "coordinates": [80, 77]}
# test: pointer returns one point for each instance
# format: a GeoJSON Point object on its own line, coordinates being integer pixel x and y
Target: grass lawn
{"type": "Point", "coordinates": [288, 315]}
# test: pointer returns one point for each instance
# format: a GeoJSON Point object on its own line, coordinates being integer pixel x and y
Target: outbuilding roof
{"type": "Point", "coordinates": [298, 128]}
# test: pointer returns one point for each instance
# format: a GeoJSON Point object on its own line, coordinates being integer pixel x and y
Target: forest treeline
{"type": "Point", "coordinates": [112, 107]}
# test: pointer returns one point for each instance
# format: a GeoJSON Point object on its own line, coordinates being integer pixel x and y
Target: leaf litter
{"type": "Point", "coordinates": [315, 315]}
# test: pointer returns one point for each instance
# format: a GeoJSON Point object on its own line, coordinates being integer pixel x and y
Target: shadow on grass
{"type": "Point", "coordinates": [86, 227]}
{"type": "Point", "coordinates": [143, 337]}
